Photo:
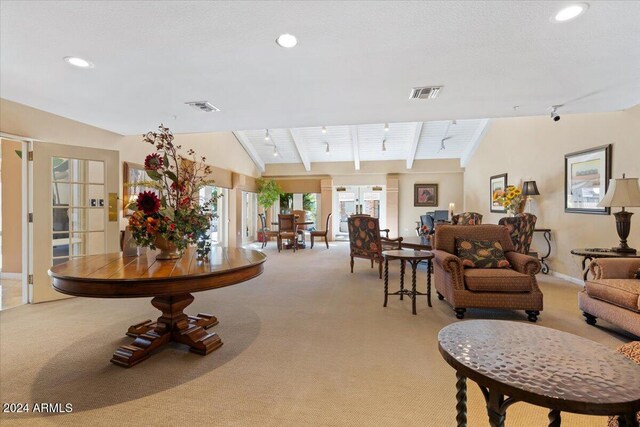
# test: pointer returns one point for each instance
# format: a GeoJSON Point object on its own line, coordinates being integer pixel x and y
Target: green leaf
{"type": "Point", "coordinates": [172, 176]}
{"type": "Point", "coordinates": [166, 160]}
{"type": "Point", "coordinates": [154, 175]}
{"type": "Point", "coordinates": [169, 213]}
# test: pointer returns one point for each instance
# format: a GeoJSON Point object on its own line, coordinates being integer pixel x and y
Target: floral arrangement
{"type": "Point", "coordinates": [173, 216]}
{"type": "Point", "coordinates": [510, 198]}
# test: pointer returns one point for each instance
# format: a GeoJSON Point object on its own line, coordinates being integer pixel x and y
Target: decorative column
{"type": "Point", "coordinates": [326, 204]}
{"type": "Point", "coordinates": [392, 205]}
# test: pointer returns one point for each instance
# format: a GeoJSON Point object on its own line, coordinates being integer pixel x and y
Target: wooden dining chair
{"type": "Point", "coordinates": [287, 230]}
{"type": "Point", "coordinates": [322, 233]}
{"type": "Point", "coordinates": [267, 233]}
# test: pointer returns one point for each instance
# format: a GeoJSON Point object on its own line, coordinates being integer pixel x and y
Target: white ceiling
{"type": "Point", "coordinates": [355, 61]}
{"type": "Point", "coordinates": [403, 141]}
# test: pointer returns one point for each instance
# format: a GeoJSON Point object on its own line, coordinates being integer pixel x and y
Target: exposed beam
{"type": "Point", "coordinates": [475, 142]}
{"type": "Point", "coordinates": [411, 155]}
{"type": "Point", "coordinates": [297, 137]}
{"type": "Point", "coordinates": [356, 146]}
{"type": "Point", "coordinates": [251, 151]}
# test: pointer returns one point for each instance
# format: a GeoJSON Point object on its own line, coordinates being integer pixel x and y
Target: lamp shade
{"type": "Point", "coordinates": [529, 188]}
{"type": "Point", "coordinates": [622, 192]}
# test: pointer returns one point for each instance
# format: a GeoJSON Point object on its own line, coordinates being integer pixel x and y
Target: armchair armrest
{"type": "Point", "coordinates": [450, 264]}
{"type": "Point", "coordinates": [523, 263]}
{"type": "Point", "coordinates": [614, 268]}
{"type": "Point", "coordinates": [394, 243]}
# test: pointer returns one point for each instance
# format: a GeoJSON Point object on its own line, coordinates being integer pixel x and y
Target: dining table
{"type": "Point", "coordinates": [170, 284]}
{"type": "Point", "coordinates": [302, 243]}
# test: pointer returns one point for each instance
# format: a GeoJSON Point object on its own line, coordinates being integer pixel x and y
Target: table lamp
{"type": "Point", "coordinates": [623, 192]}
{"type": "Point", "coordinates": [529, 188]}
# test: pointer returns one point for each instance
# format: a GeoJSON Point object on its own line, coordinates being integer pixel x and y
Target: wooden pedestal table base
{"type": "Point", "coordinates": [511, 361]}
{"type": "Point", "coordinates": [170, 283]}
{"type": "Point", "coordinates": [173, 325]}
{"type": "Point", "coordinates": [414, 258]}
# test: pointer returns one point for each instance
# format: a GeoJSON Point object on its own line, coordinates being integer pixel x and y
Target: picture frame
{"type": "Point", "coordinates": [497, 183]}
{"type": "Point", "coordinates": [586, 180]}
{"type": "Point", "coordinates": [131, 174]}
{"type": "Point", "coordinates": [425, 195]}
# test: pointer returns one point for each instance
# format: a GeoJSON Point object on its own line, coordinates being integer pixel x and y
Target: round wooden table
{"type": "Point", "coordinates": [169, 282]}
{"type": "Point", "coordinates": [541, 366]}
{"type": "Point", "coordinates": [414, 258]}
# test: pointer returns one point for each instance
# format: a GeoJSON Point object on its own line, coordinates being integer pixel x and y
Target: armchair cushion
{"type": "Point", "coordinates": [476, 253]}
{"type": "Point", "coordinates": [624, 293]}
{"type": "Point", "coordinates": [496, 280]}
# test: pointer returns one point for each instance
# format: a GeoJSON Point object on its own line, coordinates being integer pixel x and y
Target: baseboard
{"type": "Point", "coordinates": [568, 278]}
{"type": "Point", "coordinates": [11, 276]}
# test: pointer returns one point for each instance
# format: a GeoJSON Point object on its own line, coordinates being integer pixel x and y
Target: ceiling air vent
{"type": "Point", "coordinates": [427, 92]}
{"type": "Point", "coordinates": [205, 106]}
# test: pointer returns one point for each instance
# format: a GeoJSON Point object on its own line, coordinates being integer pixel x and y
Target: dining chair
{"type": "Point", "coordinates": [322, 233]}
{"type": "Point", "coordinates": [467, 218]}
{"type": "Point", "coordinates": [287, 230]}
{"type": "Point", "coordinates": [267, 233]}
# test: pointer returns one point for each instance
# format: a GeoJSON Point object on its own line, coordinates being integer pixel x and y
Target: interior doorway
{"type": "Point", "coordinates": [348, 200]}
{"type": "Point", "coordinates": [11, 200]}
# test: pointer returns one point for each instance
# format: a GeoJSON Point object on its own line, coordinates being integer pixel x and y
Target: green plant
{"type": "Point", "coordinates": [268, 192]}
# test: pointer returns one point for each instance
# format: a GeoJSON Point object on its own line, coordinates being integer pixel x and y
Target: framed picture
{"type": "Point", "coordinates": [586, 179]}
{"type": "Point", "coordinates": [425, 195]}
{"type": "Point", "coordinates": [132, 174]}
{"type": "Point", "coordinates": [497, 184]}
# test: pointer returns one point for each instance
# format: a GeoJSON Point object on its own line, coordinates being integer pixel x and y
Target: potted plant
{"type": "Point", "coordinates": [268, 193]}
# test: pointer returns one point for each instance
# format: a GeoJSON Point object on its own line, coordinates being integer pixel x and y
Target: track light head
{"type": "Point", "coordinates": [326, 150]}
{"type": "Point", "coordinates": [324, 129]}
{"type": "Point", "coordinates": [266, 135]}
{"type": "Point", "coordinates": [554, 113]}
{"type": "Point", "coordinates": [386, 127]}
{"type": "Point", "coordinates": [384, 146]}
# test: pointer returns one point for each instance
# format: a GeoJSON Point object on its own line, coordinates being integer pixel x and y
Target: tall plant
{"type": "Point", "coordinates": [268, 192]}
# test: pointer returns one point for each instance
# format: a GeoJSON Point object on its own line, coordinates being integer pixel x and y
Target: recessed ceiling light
{"type": "Point", "coordinates": [78, 62]}
{"type": "Point", "coordinates": [287, 40]}
{"type": "Point", "coordinates": [570, 12]}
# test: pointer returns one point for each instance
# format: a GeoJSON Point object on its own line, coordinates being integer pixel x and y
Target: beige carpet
{"type": "Point", "coordinates": [306, 343]}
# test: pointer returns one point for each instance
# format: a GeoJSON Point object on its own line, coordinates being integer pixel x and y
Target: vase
{"type": "Point", "coordinates": [168, 250]}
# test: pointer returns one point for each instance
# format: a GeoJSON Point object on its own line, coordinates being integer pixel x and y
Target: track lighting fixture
{"type": "Point", "coordinates": [267, 137]}
{"type": "Point", "coordinates": [324, 129]}
{"type": "Point", "coordinates": [326, 150]}
{"type": "Point", "coordinates": [275, 151]}
{"type": "Point", "coordinates": [386, 127]}
{"type": "Point", "coordinates": [554, 113]}
{"type": "Point", "coordinates": [384, 147]}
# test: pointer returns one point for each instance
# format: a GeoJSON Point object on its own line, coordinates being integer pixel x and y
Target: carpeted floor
{"type": "Point", "coordinates": [306, 343]}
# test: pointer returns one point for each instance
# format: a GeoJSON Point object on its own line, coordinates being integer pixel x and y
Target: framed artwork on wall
{"type": "Point", "coordinates": [425, 195]}
{"type": "Point", "coordinates": [132, 174]}
{"type": "Point", "coordinates": [497, 184]}
{"type": "Point", "coordinates": [586, 179]}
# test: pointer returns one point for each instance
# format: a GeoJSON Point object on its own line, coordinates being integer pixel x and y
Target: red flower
{"type": "Point", "coordinates": [153, 162]}
{"type": "Point", "coordinates": [148, 202]}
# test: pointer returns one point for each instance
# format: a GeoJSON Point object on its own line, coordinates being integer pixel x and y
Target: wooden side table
{"type": "Point", "coordinates": [414, 258]}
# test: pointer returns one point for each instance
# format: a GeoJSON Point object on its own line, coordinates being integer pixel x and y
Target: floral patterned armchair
{"type": "Point", "coordinates": [467, 218]}
{"type": "Point", "coordinates": [521, 229]}
{"type": "Point", "coordinates": [366, 242]}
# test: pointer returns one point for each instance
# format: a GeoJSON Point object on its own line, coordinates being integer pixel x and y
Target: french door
{"type": "Point", "coordinates": [73, 205]}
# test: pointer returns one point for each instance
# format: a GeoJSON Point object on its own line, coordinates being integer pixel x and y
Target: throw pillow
{"type": "Point", "coordinates": [481, 253]}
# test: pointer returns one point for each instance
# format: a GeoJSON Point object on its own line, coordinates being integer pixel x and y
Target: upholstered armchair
{"type": "Point", "coordinates": [467, 218]}
{"type": "Point", "coordinates": [513, 288]}
{"type": "Point", "coordinates": [521, 229]}
{"type": "Point", "coordinates": [366, 242]}
{"type": "Point", "coordinates": [612, 293]}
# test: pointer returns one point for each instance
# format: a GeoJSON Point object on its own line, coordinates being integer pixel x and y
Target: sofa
{"type": "Point", "coordinates": [513, 288]}
{"type": "Point", "coordinates": [613, 293]}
